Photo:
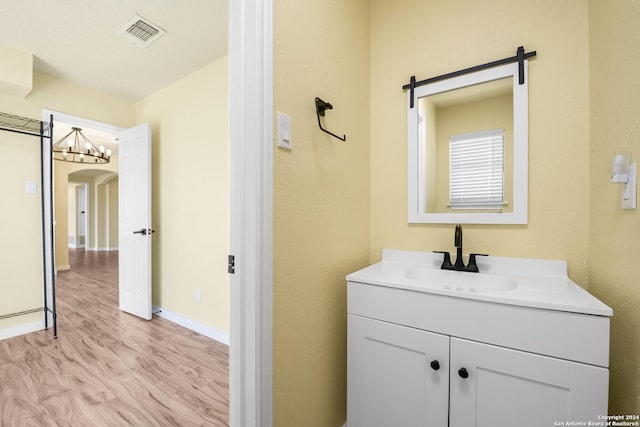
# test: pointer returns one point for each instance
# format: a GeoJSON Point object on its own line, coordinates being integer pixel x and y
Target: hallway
{"type": "Point", "coordinates": [108, 368]}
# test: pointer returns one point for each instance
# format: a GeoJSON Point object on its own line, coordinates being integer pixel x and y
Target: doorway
{"type": "Point", "coordinates": [250, 44]}
{"type": "Point", "coordinates": [81, 215]}
{"type": "Point", "coordinates": [127, 153]}
{"type": "Point", "coordinates": [84, 194]}
{"type": "Point", "coordinates": [92, 210]}
{"type": "Point", "coordinates": [183, 254]}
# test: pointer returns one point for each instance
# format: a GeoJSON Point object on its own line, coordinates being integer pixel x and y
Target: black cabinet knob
{"type": "Point", "coordinates": [463, 373]}
{"type": "Point", "coordinates": [435, 365]}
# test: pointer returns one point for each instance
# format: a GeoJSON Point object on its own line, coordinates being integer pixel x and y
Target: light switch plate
{"type": "Point", "coordinates": [31, 187]}
{"type": "Point", "coordinates": [629, 190]}
{"type": "Point", "coordinates": [284, 131]}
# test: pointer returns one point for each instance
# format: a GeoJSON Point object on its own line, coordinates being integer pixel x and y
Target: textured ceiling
{"type": "Point", "coordinates": [75, 40]}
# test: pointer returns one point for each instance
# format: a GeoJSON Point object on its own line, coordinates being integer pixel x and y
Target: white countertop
{"type": "Point", "coordinates": [538, 283]}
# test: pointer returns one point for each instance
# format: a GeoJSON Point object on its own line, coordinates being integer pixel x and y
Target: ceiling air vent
{"type": "Point", "coordinates": [141, 31]}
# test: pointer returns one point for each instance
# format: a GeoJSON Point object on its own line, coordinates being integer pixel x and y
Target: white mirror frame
{"type": "Point", "coordinates": [416, 163]}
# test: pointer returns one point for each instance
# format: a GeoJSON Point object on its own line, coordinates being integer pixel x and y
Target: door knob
{"type": "Point", "coordinates": [435, 365]}
{"type": "Point", "coordinates": [142, 231]}
{"type": "Point", "coordinates": [463, 373]}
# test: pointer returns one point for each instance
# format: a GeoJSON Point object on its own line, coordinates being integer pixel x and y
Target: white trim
{"type": "Point", "coordinates": [251, 208]}
{"type": "Point", "coordinates": [72, 120]}
{"type": "Point", "coordinates": [26, 328]}
{"type": "Point", "coordinates": [102, 249]}
{"type": "Point", "coordinates": [63, 267]}
{"type": "Point", "coordinates": [193, 325]}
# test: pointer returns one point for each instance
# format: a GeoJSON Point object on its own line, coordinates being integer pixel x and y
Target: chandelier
{"type": "Point", "coordinates": [75, 147]}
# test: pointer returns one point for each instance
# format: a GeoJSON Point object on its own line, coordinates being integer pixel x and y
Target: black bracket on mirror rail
{"type": "Point", "coordinates": [519, 58]}
{"type": "Point", "coordinates": [321, 107]}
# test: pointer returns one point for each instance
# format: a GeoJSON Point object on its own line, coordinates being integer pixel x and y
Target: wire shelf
{"type": "Point", "coordinates": [24, 125]}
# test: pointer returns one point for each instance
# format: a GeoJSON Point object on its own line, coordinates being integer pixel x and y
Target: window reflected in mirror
{"type": "Point", "coordinates": [468, 147]}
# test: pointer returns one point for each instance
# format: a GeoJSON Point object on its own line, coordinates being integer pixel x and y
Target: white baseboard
{"type": "Point", "coordinates": [102, 249]}
{"type": "Point", "coordinates": [193, 325]}
{"type": "Point", "coordinates": [63, 267]}
{"type": "Point", "coordinates": [14, 331]}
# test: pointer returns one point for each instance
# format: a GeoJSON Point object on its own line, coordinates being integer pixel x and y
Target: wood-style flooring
{"type": "Point", "coordinates": [109, 368]}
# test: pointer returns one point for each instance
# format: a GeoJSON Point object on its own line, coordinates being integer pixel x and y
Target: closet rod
{"type": "Point", "coordinates": [22, 132]}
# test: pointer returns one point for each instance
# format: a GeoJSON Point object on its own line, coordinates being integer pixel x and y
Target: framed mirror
{"type": "Point", "coordinates": [467, 140]}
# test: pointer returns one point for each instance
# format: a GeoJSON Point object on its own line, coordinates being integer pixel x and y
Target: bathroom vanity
{"type": "Point", "coordinates": [518, 343]}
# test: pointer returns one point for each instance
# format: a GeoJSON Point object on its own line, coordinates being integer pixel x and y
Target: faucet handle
{"type": "Point", "coordinates": [472, 262]}
{"type": "Point", "coordinates": [447, 259]}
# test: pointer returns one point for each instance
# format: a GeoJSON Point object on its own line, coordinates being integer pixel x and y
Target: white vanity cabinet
{"type": "Point", "coordinates": [508, 387]}
{"type": "Point", "coordinates": [391, 381]}
{"type": "Point", "coordinates": [422, 358]}
{"type": "Point", "coordinates": [400, 376]}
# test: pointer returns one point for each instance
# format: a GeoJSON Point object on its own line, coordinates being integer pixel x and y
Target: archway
{"type": "Point", "coordinates": [92, 210]}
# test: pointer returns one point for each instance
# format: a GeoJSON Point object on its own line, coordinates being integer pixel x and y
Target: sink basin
{"type": "Point", "coordinates": [524, 282]}
{"type": "Point", "coordinates": [461, 281]}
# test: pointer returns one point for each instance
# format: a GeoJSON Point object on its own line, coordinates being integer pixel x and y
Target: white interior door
{"type": "Point", "coordinates": [81, 217]}
{"type": "Point", "coordinates": [135, 220]}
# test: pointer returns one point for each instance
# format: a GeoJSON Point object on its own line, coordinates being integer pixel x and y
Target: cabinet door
{"type": "Point", "coordinates": [391, 380]}
{"type": "Point", "coordinates": [507, 387]}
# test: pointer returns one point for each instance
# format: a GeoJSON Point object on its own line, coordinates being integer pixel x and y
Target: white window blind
{"type": "Point", "coordinates": [476, 171]}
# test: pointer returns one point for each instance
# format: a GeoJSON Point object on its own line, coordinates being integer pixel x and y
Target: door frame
{"type": "Point", "coordinates": [251, 204]}
{"type": "Point", "coordinates": [47, 189]}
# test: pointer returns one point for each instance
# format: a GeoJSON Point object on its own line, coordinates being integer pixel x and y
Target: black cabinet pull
{"type": "Point", "coordinates": [463, 373]}
{"type": "Point", "coordinates": [435, 365]}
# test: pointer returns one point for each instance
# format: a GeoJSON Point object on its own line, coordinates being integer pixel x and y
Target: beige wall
{"type": "Point", "coordinates": [439, 37]}
{"type": "Point", "coordinates": [69, 98]}
{"type": "Point", "coordinates": [16, 71]}
{"type": "Point", "coordinates": [112, 194]}
{"type": "Point", "coordinates": [20, 228]}
{"type": "Point", "coordinates": [190, 194]}
{"type": "Point", "coordinates": [321, 202]}
{"type": "Point", "coordinates": [615, 233]}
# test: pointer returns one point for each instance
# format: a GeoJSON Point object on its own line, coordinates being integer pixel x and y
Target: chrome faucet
{"type": "Point", "coordinates": [472, 267]}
